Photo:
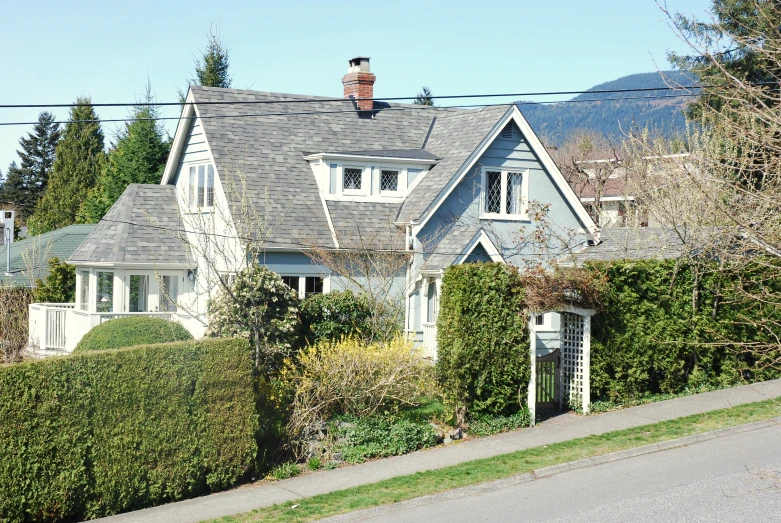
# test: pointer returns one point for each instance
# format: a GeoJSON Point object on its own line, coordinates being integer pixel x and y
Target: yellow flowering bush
{"type": "Point", "coordinates": [352, 377]}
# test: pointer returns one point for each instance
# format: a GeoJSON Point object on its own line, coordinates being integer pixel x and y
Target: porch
{"type": "Point", "coordinates": [58, 327]}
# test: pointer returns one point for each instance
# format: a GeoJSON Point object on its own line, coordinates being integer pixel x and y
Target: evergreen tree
{"type": "Point", "coordinates": [424, 97]}
{"type": "Point", "coordinates": [138, 156]}
{"type": "Point", "coordinates": [212, 68]}
{"type": "Point", "coordinates": [78, 162]}
{"type": "Point", "coordinates": [26, 183]}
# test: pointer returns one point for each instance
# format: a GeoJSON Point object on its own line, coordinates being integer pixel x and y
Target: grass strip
{"type": "Point", "coordinates": [431, 482]}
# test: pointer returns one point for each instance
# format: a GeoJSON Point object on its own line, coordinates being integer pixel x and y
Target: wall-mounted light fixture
{"type": "Point", "coordinates": [191, 274]}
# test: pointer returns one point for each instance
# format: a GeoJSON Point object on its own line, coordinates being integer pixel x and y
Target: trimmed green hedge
{"type": "Point", "coordinates": [650, 338]}
{"type": "Point", "coordinates": [132, 331]}
{"type": "Point", "coordinates": [483, 340]}
{"type": "Point", "coordinates": [335, 315]}
{"type": "Point", "coordinates": [94, 434]}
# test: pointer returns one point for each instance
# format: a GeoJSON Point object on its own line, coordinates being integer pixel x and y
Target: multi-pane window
{"type": "Point", "coordinates": [201, 193]}
{"type": "Point", "coordinates": [540, 319]}
{"type": "Point", "coordinates": [314, 285]}
{"type": "Point", "coordinates": [389, 180]}
{"type": "Point", "coordinates": [352, 179]}
{"type": "Point", "coordinates": [504, 193]}
{"type": "Point", "coordinates": [304, 285]}
{"type": "Point", "coordinates": [291, 281]}
{"type": "Point", "coordinates": [493, 192]}
{"type": "Point", "coordinates": [104, 292]}
{"type": "Point", "coordinates": [84, 290]}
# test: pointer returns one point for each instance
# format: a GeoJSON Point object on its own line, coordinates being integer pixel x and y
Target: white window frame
{"type": "Point", "coordinates": [502, 214]}
{"type": "Point", "coordinates": [401, 181]}
{"type": "Point", "coordinates": [365, 180]}
{"type": "Point", "coordinates": [302, 282]}
{"type": "Point", "coordinates": [193, 191]}
{"type": "Point", "coordinates": [547, 322]}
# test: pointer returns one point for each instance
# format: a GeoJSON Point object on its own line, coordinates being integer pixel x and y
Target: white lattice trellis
{"type": "Point", "coordinates": [572, 364]}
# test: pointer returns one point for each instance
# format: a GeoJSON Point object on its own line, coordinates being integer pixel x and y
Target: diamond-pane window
{"type": "Point", "coordinates": [389, 180]}
{"type": "Point", "coordinates": [352, 179]}
{"type": "Point", "coordinates": [514, 193]}
{"type": "Point", "coordinates": [493, 192]}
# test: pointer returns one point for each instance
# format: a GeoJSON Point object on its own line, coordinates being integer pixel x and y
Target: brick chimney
{"type": "Point", "coordinates": [359, 83]}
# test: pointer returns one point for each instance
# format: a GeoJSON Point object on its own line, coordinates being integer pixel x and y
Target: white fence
{"type": "Point", "coordinates": [430, 340]}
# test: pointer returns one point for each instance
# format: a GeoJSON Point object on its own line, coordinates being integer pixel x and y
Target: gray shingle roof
{"type": "Point", "coordinates": [630, 243]}
{"type": "Point", "coordinates": [143, 226]}
{"type": "Point", "coordinates": [450, 247]}
{"type": "Point", "coordinates": [415, 154]}
{"type": "Point", "coordinates": [269, 151]}
{"type": "Point", "coordinates": [366, 225]}
{"type": "Point", "coordinates": [30, 256]}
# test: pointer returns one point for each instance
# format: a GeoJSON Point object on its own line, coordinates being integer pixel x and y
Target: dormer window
{"type": "Point", "coordinates": [389, 181]}
{"type": "Point", "coordinates": [505, 194]}
{"type": "Point", "coordinates": [352, 179]}
{"type": "Point", "coordinates": [201, 193]}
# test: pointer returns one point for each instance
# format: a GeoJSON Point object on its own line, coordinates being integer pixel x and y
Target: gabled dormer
{"type": "Point", "coordinates": [379, 176]}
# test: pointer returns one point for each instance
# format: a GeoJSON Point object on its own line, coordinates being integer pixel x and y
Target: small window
{"type": "Point", "coordinates": [332, 179]}
{"type": "Point", "coordinates": [104, 293]}
{"type": "Point", "coordinates": [539, 320]}
{"type": "Point", "coordinates": [493, 192]}
{"type": "Point", "coordinates": [352, 179]}
{"type": "Point", "coordinates": [201, 182]}
{"type": "Point", "coordinates": [389, 180]}
{"type": "Point", "coordinates": [210, 186]}
{"type": "Point", "coordinates": [514, 193]}
{"type": "Point", "coordinates": [193, 193]}
{"type": "Point", "coordinates": [412, 175]}
{"type": "Point", "coordinates": [84, 290]}
{"type": "Point", "coordinates": [291, 281]}
{"type": "Point", "coordinates": [314, 285]}
{"type": "Point", "coordinates": [139, 293]}
{"type": "Point", "coordinates": [169, 293]}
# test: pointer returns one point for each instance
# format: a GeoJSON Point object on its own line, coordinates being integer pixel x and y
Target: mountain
{"type": "Point", "coordinates": [611, 117]}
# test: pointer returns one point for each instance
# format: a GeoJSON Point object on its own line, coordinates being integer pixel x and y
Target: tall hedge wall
{"type": "Point", "coordinates": [482, 338]}
{"type": "Point", "coordinates": [93, 434]}
{"type": "Point", "coordinates": [656, 335]}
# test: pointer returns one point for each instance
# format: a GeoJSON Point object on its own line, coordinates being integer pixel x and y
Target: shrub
{"type": "Point", "coordinates": [332, 316]}
{"type": "Point", "coordinates": [377, 436]}
{"type": "Point", "coordinates": [59, 286]}
{"type": "Point", "coordinates": [132, 331]}
{"type": "Point", "coordinates": [285, 471]}
{"type": "Point", "coordinates": [486, 424]}
{"type": "Point", "coordinates": [93, 434]}
{"type": "Point", "coordinates": [483, 341]}
{"type": "Point", "coordinates": [351, 377]}
{"type": "Point", "coordinates": [258, 306]}
{"type": "Point", "coordinates": [651, 339]}
{"type": "Point", "coordinates": [14, 322]}
{"type": "Point", "coordinates": [314, 463]}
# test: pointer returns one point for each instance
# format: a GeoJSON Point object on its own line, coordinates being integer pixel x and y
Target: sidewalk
{"type": "Point", "coordinates": [560, 428]}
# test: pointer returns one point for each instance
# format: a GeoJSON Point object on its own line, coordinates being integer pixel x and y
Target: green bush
{"type": "Point", "coordinates": [132, 331]}
{"type": "Point", "coordinates": [336, 315]}
{"type": "Point", "coordinates": [660, 333]}
{"type": "Point", "coordinates": [377, 436]}
{"type": "Point", "coordinates": [486, 424]}
{"type": "Point", "coordinates": [98, 433]}
{"type": "Point", "coordinates": [483, 341]}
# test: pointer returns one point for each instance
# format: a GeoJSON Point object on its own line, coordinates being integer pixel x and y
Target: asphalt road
{"type": "Point", "coordinates": [734, 478]}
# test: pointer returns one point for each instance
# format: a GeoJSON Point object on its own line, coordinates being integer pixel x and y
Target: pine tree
{"type": "Point", "coordinates": [212, 68]}
{"type": "Point", "coordinates": [424, 97]}
{"type": "Point", "coordinates": [14, 191]}
{"type": "Point", "coordinates": [139, 156]}
{"type": "Point", "coordinates": [37, 155]}
{"type": "Point", "coordinates": [78, 163]}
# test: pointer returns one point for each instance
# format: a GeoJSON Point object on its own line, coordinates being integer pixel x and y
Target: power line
{"type": "Point", "coordinates": [405, 108]}
{"type": "Point", "coordinates": [345, 100]}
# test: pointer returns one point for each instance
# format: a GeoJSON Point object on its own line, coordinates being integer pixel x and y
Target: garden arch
{"type": "Point", "coordinates": [569, 374]}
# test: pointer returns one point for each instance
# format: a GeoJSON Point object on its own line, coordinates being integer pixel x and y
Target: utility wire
{"type": "Point", "coordinates": [383, 99]}
{"type": "Point", "coordinates": [406, 108]}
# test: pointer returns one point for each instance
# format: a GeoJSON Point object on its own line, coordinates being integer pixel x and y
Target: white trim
{"type": "Point", "coordinates": [365, 189]}
{"type": "Point", "coordinates": [328, 219]}
{"type": "Point", "coordinates": [608, 199]}
{"type": "Point", "coordinates": [181, 133]}
{"type": "Point", "coordinates": [377, 159]}
{"type": "Point", "coordinates": [146, 265]}
{"type": "Point", "coordinates": [547, 322]}
{"type": "Point", "coordinates": [503, 214]}
{"type": "Point", "coordinates": [480, 238]}
{"type": "Point", "coordinates": [536, 146]}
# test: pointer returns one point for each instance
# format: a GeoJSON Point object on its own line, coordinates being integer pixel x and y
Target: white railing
{"type": "Point", "coordinates": [430, 340]}
{"type": "Point", "coordinates": [55, 329]}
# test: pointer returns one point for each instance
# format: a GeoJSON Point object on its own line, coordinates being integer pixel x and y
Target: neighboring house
{"type": "Point", "coordinates": [273, 177]}
{"type": "Point", "coordinates": [629, 243]}
{"type": "Point", "coordinates": [29, 258]}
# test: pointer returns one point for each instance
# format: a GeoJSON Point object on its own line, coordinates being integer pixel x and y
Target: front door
{"type": "Point", "coordinates": [548, 386]}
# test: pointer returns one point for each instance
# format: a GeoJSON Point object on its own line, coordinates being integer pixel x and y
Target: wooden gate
{"type": "Point", "coordinates": [548, 381]}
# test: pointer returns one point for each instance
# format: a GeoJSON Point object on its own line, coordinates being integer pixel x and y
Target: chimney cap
{"type": "Point", "coordinates": [359, 64]}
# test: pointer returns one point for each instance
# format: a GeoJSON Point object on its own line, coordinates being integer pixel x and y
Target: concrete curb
{"type": "Point", "coordinates": [480, 488]}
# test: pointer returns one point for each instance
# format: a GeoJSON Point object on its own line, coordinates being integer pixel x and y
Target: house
{"type": "Point", "coordinates": [273, 178]}
{"type": "Point", "coordinates": [26, 261]}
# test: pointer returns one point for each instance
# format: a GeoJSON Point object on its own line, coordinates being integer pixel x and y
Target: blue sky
{"type": "Point", "coordinates": [53, 52]}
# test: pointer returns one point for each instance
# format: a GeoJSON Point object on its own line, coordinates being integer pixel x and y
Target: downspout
{"type": "Point", "coordinates": [408, 233]}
